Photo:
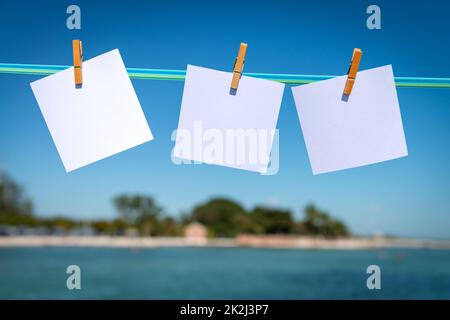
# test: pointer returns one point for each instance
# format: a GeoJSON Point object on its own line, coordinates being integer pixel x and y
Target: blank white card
{"type": "Point", "coordinates": [100, 119]}
{"type": "Point", "coordinates": [343, 133]}
{"type": "Point", "coordinates": [220, 127]}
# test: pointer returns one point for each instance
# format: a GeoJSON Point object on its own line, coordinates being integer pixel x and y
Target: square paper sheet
{"type": "Point", "coordinates": [100, 119]}
{"type": "Point", "coordinates": [365, 129]}
{"type": "Point", "coordinates": [217, 127]}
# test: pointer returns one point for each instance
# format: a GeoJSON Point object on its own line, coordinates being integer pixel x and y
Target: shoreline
{"type": "Point", "coordinates": [282, 242]}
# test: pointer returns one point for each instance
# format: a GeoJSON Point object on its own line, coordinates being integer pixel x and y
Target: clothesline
{"type": "Point", "coordinates": [163, 74]}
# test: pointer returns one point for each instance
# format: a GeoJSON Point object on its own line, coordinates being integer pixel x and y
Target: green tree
{"type": "Point", "coordinates": [170, 227]}
{"type": "Point", "coordinates": [103, 226]}
{"type": "Point", "coordinates": [60, 223]}
{"type": "Point", "coordinates": [12, 200]}
{"type": "Point", "coordinates": [270, 221]}
{"type": "Point", "coordinates": [15, 209]}
{"type": "Point", "coordinates": [223, 217]}
{"type": "Point", "coordinates": [118, 226]}
{"type": "Point", "coordinates": [139, 211]}
{"type": "Point", "coordinates": [317, 222]}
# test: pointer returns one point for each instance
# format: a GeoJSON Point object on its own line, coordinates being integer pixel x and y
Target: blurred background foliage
{"type": "Point", "coordinates": [141, 215]}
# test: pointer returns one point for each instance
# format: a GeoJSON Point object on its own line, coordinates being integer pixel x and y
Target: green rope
{"type": "Point", "coordinates": [161, 74]}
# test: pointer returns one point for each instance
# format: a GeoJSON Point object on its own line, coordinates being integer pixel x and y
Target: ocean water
{"type": "Point", "coordinates": [223, 273]}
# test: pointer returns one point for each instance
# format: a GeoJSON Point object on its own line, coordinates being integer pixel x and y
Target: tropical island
{"type": "Point", "coordinates": [142, 222]}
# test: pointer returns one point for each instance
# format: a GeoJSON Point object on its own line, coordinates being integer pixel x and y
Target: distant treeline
{"type": "Point", "coordinates": [142, 215]}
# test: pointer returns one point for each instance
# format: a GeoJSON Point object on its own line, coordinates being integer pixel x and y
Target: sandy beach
{"type": "Point", "coordinates": [240, 241]}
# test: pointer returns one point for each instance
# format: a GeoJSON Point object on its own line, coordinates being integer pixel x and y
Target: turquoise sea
{"type": "Point", "coordinates": [223, 273]}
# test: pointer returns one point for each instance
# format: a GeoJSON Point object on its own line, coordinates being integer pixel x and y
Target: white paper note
{"type": "Point", "coordinates": [219, 127]}
{"type": "Point", "coordinates": [100, 119]}
{"type": "Point", "coordinates": [365, 129]}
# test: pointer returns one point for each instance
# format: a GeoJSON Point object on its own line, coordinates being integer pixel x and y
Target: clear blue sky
{"type": "Point", "coordinates": [408, 196]}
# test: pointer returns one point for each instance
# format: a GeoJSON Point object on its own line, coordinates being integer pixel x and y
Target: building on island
{"type": "Point", "coordinates": [195, 232]}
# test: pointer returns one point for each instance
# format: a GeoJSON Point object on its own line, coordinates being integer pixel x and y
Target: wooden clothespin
{"type": "Point", "coordinates": [352, 71]}
{"type": "Point", "coordinates": [238, 66]}
{"type": "Point", "coordinates": [78, 62]}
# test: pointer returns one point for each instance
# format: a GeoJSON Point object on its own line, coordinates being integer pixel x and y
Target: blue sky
{"type": "Point", "coordinates": [408, 196]}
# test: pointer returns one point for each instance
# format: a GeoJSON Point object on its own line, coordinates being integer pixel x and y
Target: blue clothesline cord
{"type": "Point", "coordinates": [163, 74]}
